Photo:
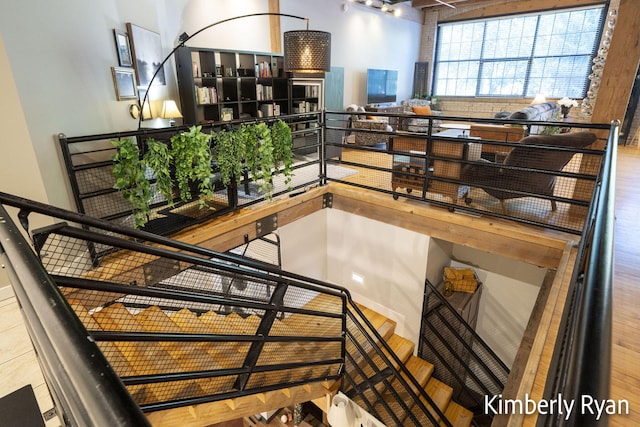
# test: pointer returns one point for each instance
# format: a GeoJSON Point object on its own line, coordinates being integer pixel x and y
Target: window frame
{"type": "Point", "coordinates": [483, 61]}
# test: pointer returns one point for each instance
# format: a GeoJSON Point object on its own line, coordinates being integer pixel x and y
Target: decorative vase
{"type": "Point", "coordinates": [565, 110]}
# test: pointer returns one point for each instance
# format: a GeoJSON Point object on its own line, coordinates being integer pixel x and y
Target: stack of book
{"type": "Point", "coordinates": [206, 95]}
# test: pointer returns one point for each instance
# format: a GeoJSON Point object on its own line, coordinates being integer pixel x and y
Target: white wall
{"type": "Point", "coordinates": [60, 54]}
{"type": "Point", "coordinates": [382, 265]}
{"type": "Point", "coordinates": [510, 290]}
{"type": "Point", "coordinates": [304, 245]}
{"type": "Point", "coordinates": [364, 38]}
{"type": "Point", "coordinates": [19, 172]}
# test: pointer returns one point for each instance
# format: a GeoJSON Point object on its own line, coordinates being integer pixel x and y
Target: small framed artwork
{"type": "Point", "coordinates": [146, 53]}
{"type": "Point", "coordinates": [123, 48]}
{"type": "Point", "coordinates": [124, 82]}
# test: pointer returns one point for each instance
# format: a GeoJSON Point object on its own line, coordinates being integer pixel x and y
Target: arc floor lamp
{"type": "Point", "coordinates": [305, 51]}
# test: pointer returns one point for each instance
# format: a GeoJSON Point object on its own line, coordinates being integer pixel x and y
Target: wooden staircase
{"type": "Point", "coordinates": [440, 393]}
{"type": "Point", "coordinates": [135, 358]}
{"type": "Point", "coordinates": [132, 358]}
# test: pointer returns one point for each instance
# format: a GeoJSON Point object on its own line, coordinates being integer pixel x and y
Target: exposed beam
{"type": "Point", "coordinates": [419, 4]}
{"type": "Point", "coordinates": [488, 8]}
{"type": "Point", "coordinates": [274, 26]}
{"type": "Point", "coordinates": [622, 64]}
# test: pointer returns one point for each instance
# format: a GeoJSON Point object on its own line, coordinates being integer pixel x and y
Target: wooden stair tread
{"type": "Point", "coordinates": [321, 350]}
{"type": "Point", "coordinates": [325, 303]}
{"type": "Point", "coordinates": [144, 357]}
{"type": "Point", "coordinates": [420, 369]}
{"type": "Point", "coordinates": [458, 415]}
{"type": "Point", "coordinates": [440, 393]}
{"type": "Point", "coordinates": [140, 393]}
{"type": "Point", "coordinates": [402, 347]}
{"type": "Point", "coordinates": [385, 326]}
{"type": "Point", "coordinates": [313, 325]}
{"type": "Point", "coordinates": [226, 353]}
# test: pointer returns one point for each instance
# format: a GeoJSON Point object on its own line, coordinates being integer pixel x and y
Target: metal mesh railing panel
{"type": "Point", "coordinates": [548, 185]}
{"type": "Point", "coordinates": [171, 323]}
{"type": "Point", "coordinates": [460, 358]}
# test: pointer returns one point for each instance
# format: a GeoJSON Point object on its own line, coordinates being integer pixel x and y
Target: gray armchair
{"type": "Point", "coordinates": [528, 170]}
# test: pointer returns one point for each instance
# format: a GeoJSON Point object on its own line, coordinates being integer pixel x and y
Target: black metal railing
{"type": "Point", "coordinates": [582, 356]}
{"type": "Point", "coordinates": [149, 275]}
{"type": "Point", "coordinates": [154, 278]}
{"type": "Point", "coordinates": [89, 165]}
{"type": "Point", "coordinates": [380, 382]}
{"type": "Point", "coordinates": [461, 357]}
{"type": "Point", "coordinates": [441, 166]}
{"type": "Point", "coordinates": [165, 324]}
{"type": "Point", "coordinates": [85, 388]}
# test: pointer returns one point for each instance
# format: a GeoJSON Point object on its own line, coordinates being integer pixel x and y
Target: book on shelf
{"type": "Point", "coordinates": [206, 95]}
{"type": "Point", "coordinates": [264, 92]}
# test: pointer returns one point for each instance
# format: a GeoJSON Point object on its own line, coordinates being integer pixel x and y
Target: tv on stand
{"type": "Point", "coordinates": [382, 86]}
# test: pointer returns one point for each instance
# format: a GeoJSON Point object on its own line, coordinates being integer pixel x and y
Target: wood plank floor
{"type": "Point", "coordinates": [18, 365]}
{"type": "Point", "coordinates": [625, 369]}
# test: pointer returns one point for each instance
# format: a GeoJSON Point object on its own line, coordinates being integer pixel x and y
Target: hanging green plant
{"type": "Point", "coordinates": [229, 152]}
{"type": "Point", "coordinates": [259, 155]}
{"type": "Point", "coordinates": [130, 173]}
{"type": "Point", "coordinates": [191, 153]}
{"type": "Point", "coordinates": [158, 158]}
{"type": "Point", "coordinates": [249, 139]}
{"type": "Point", "coordinates": [283, 148]}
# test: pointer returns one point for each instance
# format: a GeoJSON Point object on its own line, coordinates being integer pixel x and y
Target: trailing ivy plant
{"type": "Point", "coordinates": [230, 152]}
{"type": "Point", "coordinates": [259, 155]}
{"type": "Point", "coordinates": [130, 173]}
{"type": "Point", "coordinates": [158, 157]}
{"type": "Point", "coordinates": [282, 148]}
{"type": "Point", "coordinates": [192, 159]}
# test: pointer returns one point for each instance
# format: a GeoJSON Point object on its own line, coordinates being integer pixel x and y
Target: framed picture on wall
{"type": "Point", "coordinates": [146, 52]}
{"type": "Point", "coordinates": [124, 82]}
{"type": "Point", "coordinates": [123, 48]}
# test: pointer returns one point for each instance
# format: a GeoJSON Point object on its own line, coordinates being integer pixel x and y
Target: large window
{"type": "Point", "coordinates": [518, 56]}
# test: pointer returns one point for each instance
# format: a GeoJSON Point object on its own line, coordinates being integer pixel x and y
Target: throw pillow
{"type": "Point", "coordinates": [422, 110]}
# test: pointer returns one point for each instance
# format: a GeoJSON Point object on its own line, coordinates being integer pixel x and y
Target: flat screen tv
{"type": "Point", "coordinates": [382, 86]}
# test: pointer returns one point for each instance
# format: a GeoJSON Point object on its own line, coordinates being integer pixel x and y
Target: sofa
{"type": "Point", "coordinates": [513, 133]}
{"type": "Point", "coordinates": [421, 107]}
{"type": "Point", "coordinates": [370, 124]}
{"type": "Point", "coordinates": [545, 112]}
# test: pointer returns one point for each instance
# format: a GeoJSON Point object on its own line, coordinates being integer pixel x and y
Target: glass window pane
{"type": "Point", "coordinates": [520, 55]}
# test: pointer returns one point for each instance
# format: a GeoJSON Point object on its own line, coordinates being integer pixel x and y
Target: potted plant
{"type": "Point", "coordinates": [282, 141]}
{"type": "Point", "coordinates": [191, 154]}
{"type": "Point", "coordinates": [266, 148]}
{"type": "Point", "coordinates": [261, 164]}
{"type": "Point", "coordinates": [158, 158]}
{"type": "Point", "coordinates": [229, 153]}
{"type": "Point", "coordinates": [131, 179]}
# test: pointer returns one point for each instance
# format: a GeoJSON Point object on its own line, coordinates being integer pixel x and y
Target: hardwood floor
{"type": "Point", "coordinates": [625, 374]}
{"type": "Point", "coordinates": [18, 365]}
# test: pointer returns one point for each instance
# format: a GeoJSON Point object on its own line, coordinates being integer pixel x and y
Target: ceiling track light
{"type": "Point", "coordinates": [383, 7]}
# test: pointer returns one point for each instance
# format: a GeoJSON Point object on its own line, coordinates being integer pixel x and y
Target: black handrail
{"type": "Point", "coordinates": [86, 389]}
{"type": "Point", "coordinates": [224, 261]}
{"type": "Point", "coordinates": [585, 332]}
{"type": "Point", "coordinates": [399, 373]}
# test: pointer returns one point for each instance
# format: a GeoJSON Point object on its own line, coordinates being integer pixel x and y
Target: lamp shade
{"type": "Point", "coordinates": [170, 110]}
{"type": "Point", "coordinates": [146, 111]}
{"type": "Point", "coordinates": [340, 413]}
{"type": "Point", "coordinates": [307, 51]}
{"type": "Point", "coordinates": [539, 99]}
